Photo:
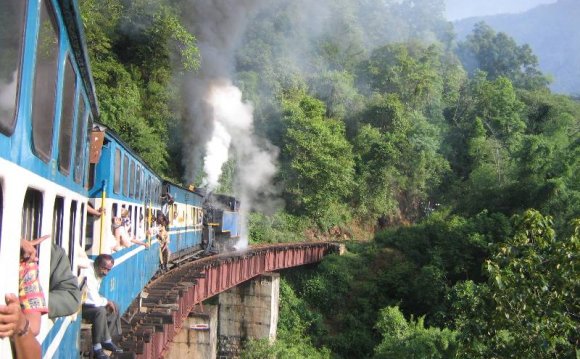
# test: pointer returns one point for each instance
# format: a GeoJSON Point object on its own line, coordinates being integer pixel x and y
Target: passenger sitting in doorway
{"type": "Point", "coordinates": [122, 238]}
{"type": "Point", "coordinates": [20, 316]}
{"type": "Point", "coordinates": [100, 311]}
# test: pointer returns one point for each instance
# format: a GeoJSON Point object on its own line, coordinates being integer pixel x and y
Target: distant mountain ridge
{"type": "Point", "coordinates": [551, 30]}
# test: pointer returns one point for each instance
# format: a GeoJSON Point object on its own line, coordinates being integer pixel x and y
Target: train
{"type": "Point", "coordinates": [57, 160]}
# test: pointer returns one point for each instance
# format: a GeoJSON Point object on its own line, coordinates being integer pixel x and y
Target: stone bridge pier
{"type": "Point", "coordinates": [247, 311]}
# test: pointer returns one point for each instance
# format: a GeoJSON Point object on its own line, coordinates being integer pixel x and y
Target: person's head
{"type": "Point", "coordinates": [124, 213]}
{"type": "Point", "coordinates": [161, 219]}
{"type": "Point", "coordinates": [103, 264]}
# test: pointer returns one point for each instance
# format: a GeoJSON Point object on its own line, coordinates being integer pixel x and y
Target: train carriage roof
{"type": "Point", "coordinates": [115, 137]}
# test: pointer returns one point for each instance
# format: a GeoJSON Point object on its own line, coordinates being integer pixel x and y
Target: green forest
{"type": "Point", "coordinates": [447, 167]}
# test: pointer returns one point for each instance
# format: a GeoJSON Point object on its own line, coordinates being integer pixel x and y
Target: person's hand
{"type": "Point", "coordinates": [28, 248]}
{"type": "Point", "coordinates": [145, 243]}
{"type": "Point", "coordinates": [111, 306]}
{"type": "Point", "coordinates": [11, 317]}
{"type": "Point", "coordinates": [102, 210]}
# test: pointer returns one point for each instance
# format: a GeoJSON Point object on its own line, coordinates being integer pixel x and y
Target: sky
{"type": "Point", "coordinates": [459, 9]}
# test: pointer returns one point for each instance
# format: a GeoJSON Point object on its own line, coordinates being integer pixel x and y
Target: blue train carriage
{"type": "Point", "coordinates": [122, 183]}
{"type": "Point", "coordinates": [222, 220]}
{"type": "Point", "coordinates": [183, 208]}
{"type": "Point", "coordinates": [47, 100]}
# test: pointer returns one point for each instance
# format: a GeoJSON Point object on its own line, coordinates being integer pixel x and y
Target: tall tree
{"type": "Point", "coordinates": [497, 54]}
{"type": "Point", "coordinates": [317, 166]}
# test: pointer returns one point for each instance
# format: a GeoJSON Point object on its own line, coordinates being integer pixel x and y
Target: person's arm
{"type": "Point", "coordinates": [20, 328]}
{"type": "Point", "coordinates": [112, 306]}
{"type": "Point", "coordinates": [64, 294]}
{"type": "Point", "coordinates": [136, 241]}
{"type": "Point", "coordinates": [95, 212]}
{"type": "Point", "coordinates": [26, 346]}
{"type": "Point", "coordinates": [28, 248]}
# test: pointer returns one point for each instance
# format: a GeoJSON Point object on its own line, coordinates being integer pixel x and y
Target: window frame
{"type": "Point", "coordinates": [8, 125]}
{"type": "Point", "coordinates": [43, 126]}
{"type": "Point", "coordinates": [67, 117]}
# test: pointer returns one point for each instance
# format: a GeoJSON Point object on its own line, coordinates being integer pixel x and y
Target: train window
{"type": "Point", "coordinates": [90, 178]}
{"type": "Point", "coordinates": [125, 175]}
{"type": "Point", "coordinates": [72, 230]}
{"type": "Point", "coordinates": [92, 168]}
{"type": "Point", "coordinates": [117, 184]}
{"type": "Point", "coordinates": [172, 213]}
{"type": "Point", "coordinates": [152, 191]}
{"type": "Point", "coordinates": [158, 193]}
{"type": "Point", "coordinates": [155, 193]}
{"type": "Point", "coordinates": [132, 180]}
{"type": "Point", "coordinates": [66, 118]}
{"type": "Point", "coordinates": [58, 221]}
{"type": "Point", "coordinates": [31, 214]}
{"type": "Point", "coordinates": [138, 184]}
{"type": "Point", "coordinates": [43, 105]}
{"type": "Point", "coordinates": [148, 189]}
{"type": "Point", "coordinates": [114, 210]}
{"type": "Point", "coordinates": [12, 30]}
{"type": "Point", "coordinates": [82, 115]}
{"type": "Point", "coordinates": [134, 221]}
{"type": "Point", "coordinates": [143, 185]}
{"type": "Point", "coordinates": [80, 239]}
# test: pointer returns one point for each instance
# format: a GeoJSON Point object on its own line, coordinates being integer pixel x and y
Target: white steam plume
{"type": "Point", "coordinates": [219, 119]}
{"type": "Point", "coordinates": [233, 121]}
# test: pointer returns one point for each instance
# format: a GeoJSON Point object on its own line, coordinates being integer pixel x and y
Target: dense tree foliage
{"type": "Point", "coordinates": [136, 48]}
{"type": "Point", "coordinates": [317, 164]}
{"type": "Point", "coordinates": [410, 339]}
{"type": "Point", "coordinates": [528, 308]}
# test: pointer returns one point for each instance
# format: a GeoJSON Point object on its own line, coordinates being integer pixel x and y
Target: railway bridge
{"type": "Point", "coordinates": [167, 303]}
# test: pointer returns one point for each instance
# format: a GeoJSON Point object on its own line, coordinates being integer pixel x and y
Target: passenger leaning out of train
{"type": "Point", "coordinates": [166, 202]}
{"type": "Point", "coordinates": [122, 237]}
{"type": "Point", "coordinates": [159, 230]}
{"type": "Point", "coordinates": [100, 311]}
{"type": "Point", "coordinates": [20, 316]}
{"type": "Point", "coordinates": [64, 294]}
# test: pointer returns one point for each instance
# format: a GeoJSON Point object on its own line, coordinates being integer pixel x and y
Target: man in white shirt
{"type": "Point", "coordinates": [101, 312]}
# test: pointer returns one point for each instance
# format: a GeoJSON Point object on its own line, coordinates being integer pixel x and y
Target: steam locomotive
{"type": "Point", "coordinates": [55, 162]}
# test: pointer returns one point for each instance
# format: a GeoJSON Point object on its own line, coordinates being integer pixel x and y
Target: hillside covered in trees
{"type": "Point", "coordinates": [552, 32]}
{"type": "Point", "coordinates": [449, 167]}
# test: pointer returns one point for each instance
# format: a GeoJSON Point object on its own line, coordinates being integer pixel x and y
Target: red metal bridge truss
{"type": "Point", "coordinates": [158, 314]}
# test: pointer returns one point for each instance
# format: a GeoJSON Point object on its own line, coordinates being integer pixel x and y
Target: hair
{"type": "Point", "coordinates": [162, 219]}
{"type": "Point", "coordinates": [102, 258]}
